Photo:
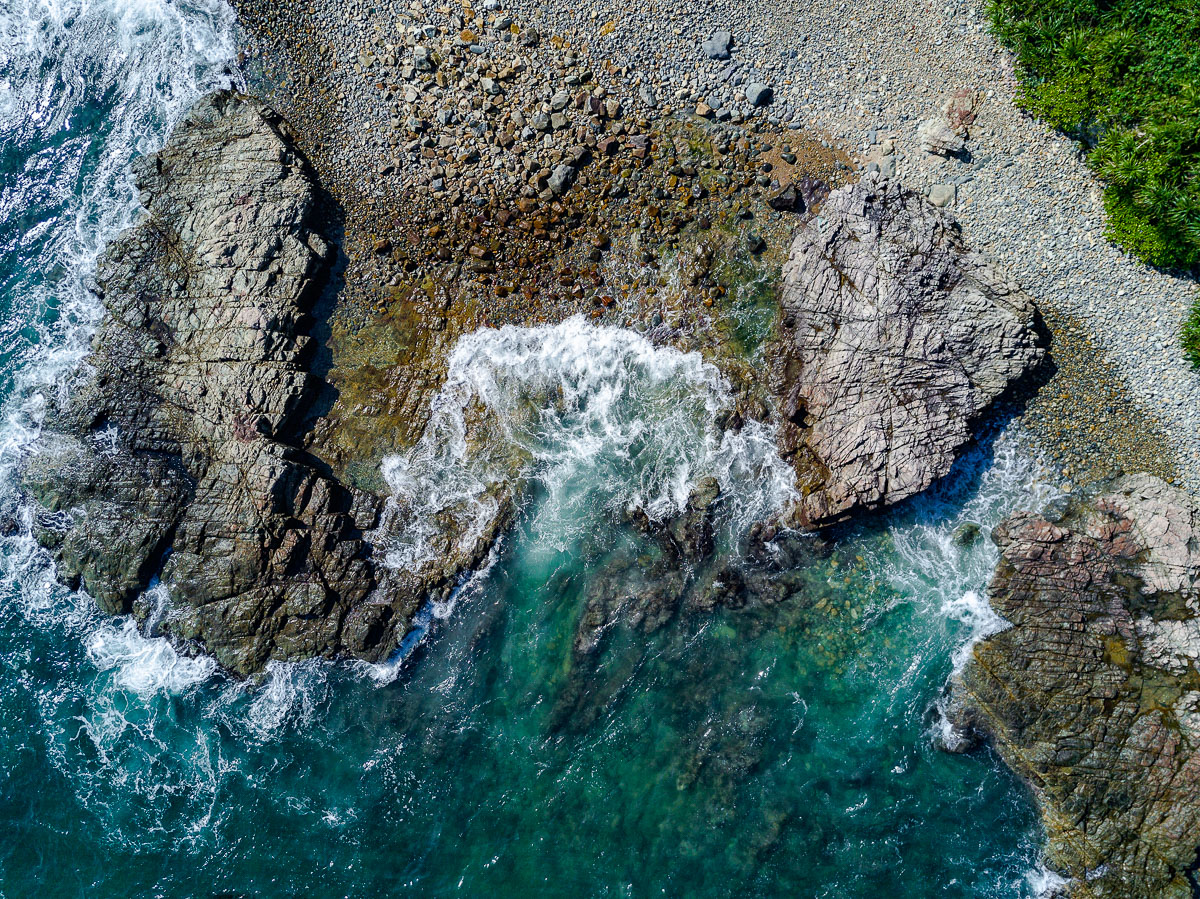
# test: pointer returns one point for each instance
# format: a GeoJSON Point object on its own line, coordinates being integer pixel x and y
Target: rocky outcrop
{"type": "Point", "coordinates": [177, 454]}
{"type": "Point", "coordinates": [180, 453]}
{"type": "Point", "coordinates": [896, 338]}
{"type": "Point", "coordinates": [1093, 695]}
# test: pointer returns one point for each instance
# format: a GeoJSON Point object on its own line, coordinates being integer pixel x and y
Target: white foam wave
{"type": "Point", "coordinates": [977, 616]}
{"type": "Point", "coordinates": [600, 417]}
{"type": "Point", "coordinates": [288, 698]}
{"type": "Point", "coordinates": [145, 665]}
{"type": "Point", "coordinates": [1046, 884]}
{"type": "Point", "coordinates": [60, 57]}
{"type": "Point", "coordinates": [944, 555]}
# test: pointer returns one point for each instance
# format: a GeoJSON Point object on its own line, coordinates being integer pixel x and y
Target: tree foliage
{"type": "Point", "coordinates": [1123, 76]}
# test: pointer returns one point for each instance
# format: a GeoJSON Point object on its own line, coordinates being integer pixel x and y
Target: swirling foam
{"type": "Point", "coordinates": [145, 665]}
{"type": "Point", "coordinates": [600, 417]}
{"type": "Point", "coordinates": [947, 570]}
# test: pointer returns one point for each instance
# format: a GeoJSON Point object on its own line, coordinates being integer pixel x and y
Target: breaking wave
{"type": "Point", "coordinates": [599, 417]}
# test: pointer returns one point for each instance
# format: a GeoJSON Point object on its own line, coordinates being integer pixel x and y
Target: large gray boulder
{"type": "Point", "coordinates": [896, 339]}
{"type": "Point", "coordinates": [1093, 695]}
{"type": "Point", "coordinates": [177, 452]}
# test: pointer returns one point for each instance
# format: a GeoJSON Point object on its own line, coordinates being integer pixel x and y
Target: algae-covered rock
{"type": "Point", "coordinates": [1093, 696]}
{"type": "Point", "coordinates": [897, 338]}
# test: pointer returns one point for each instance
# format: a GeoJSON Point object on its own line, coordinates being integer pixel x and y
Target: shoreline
{"type": "Point", "coordinates": [1025, 199]}
{"type": "Point", "coordinates": [214, 480]}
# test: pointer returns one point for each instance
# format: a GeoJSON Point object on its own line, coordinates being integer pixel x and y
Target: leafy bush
{"type": "Point", "coordinates": [1123, 76]}
{"type": "Point", "coordinates": [1191, 334]}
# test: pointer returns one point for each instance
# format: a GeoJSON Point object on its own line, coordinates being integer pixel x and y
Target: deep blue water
{"type": "Point", "coordinates": [782, 748]}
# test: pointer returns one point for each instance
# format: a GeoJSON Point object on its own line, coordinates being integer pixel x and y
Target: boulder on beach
{"type": "Point", "coordinates": [897, 338]}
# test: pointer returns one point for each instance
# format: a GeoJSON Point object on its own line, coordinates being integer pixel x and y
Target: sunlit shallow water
{"type": "Point", "coordinates": [785, 746]}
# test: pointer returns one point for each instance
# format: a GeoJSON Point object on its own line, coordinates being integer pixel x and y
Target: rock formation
{"type": "Point", "coordinates": [176, 456]}
{"type": "Point", "coordinates": [1093, 696]}
{"type": "Point", "coordinates": [180, 455]}
{"type": "Point", "coordinates": [896, 338]}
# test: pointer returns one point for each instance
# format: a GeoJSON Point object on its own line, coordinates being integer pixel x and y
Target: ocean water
{"type": "Point", "coordinates": [783, 747]}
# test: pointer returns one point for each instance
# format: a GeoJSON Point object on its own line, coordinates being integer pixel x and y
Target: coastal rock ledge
{"type": "Point", "coordinates": [177, 454]}
{"type": "Point", "coordinates": [183, 453]}
{"type": "Point", "coordinates": [1093, 696]}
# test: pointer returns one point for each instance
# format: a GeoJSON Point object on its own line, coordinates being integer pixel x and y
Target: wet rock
{"type": "Point", "coordinates": [178, 454]}
{"type": "Point", "coordinates": [1093, 695]}
{"type": "Point", "coordinates": [902, 337]}
{"type": "Point", "coordinates": [788, 199]}
{"type": "Point", "coordinates": [966, 534]}
{"type": "Point", "coordinates": [692, 532]}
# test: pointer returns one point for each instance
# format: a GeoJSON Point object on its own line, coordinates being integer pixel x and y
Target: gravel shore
{"type": "Point", "coordinates": [859, 79]}
{"type": "Point", "coordinates": [871, 71]}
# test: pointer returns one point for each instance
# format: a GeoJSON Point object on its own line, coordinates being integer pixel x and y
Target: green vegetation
{"type": "Point", "coordinates": [1191, 334]}
{"type": "Point", "coordinates": [1123, 76]}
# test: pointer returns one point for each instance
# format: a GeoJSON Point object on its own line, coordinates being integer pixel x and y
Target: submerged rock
{"type": "Point", "coordinates": [1093, 696]}
{"type": "Point", "coordinates": [177, 454]}
{"type": "Point", "coordinates": [896, 338]}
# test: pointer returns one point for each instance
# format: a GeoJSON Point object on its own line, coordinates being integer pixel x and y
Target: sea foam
{"type": "Point", "coordinates": [599, 417]}
{"type": "Point", "coordinates": [145, 665]}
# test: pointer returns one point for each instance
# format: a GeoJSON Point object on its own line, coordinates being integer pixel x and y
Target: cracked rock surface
{"type": "Point", "coordinates": [177, 453]}
{"type": "Point", "coordinates": [896, 338]}
{"type": "Point", "coordinates": [1093, 695]}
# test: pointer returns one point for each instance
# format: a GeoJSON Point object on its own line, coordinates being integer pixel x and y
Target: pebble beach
{"type": "Point", "coordinates": [498, 102]}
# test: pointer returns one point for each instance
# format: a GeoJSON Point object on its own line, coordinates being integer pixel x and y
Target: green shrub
{"type": "Point", "coordinates": [1129, 228]}
{"type": "Point", "coordinates": [1123, 76]}
{"type": "Point", "coordinates": [1191, 334]}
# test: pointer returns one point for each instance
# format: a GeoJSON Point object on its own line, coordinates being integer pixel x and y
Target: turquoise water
{"type": "Point", "coordinates": [782, 747]}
